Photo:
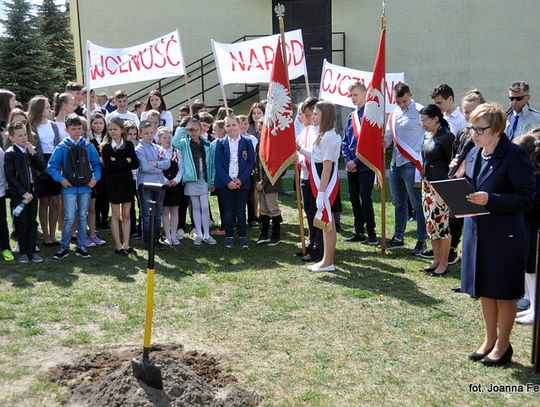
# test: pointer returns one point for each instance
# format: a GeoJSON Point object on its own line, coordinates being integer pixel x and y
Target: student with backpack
{"type": "Point", "coordinates": [77, 167]}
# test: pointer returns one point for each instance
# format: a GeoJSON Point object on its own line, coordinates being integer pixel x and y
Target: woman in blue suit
{"type": "Point", "coordinates": [495, 245]}
{"type": "Point", "coordinates": [234, 162]}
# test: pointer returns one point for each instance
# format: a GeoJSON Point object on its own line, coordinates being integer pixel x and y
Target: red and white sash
{"type": "Point", "coordinates": [323, 219]}
{"type": "Point", "coordinates": [356, 125]}
{"type": "Point", "coordinates": [406, 151]}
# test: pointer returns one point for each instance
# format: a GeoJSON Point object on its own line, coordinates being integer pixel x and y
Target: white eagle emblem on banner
{"type": "Point", "coordinates": [277, 114]}
{"type": "Point", "coordinates": [373, 111]}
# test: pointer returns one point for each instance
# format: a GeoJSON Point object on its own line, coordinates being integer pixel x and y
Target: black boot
{"type": "Point", "coordinates": [265, 226]}
{"type": "Point", "coordinates": [276, 231]}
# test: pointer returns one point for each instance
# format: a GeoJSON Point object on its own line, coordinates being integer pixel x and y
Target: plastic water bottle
{"type": "Point", "coordinates": [17, 211]}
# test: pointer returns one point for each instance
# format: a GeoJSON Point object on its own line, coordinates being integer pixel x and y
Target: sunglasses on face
{"type": "Point", "coordinates": [517, 98]}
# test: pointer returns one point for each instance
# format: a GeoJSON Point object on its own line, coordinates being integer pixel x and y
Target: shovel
{"type": "Point", "coordinates": [145, 369]}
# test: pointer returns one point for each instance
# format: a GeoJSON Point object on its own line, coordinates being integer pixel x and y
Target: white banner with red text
{"type": "Point", "coordinates": [335, 79]}
{"type": "Point", "coordinates": [156, 59]}
{"type": "Point", "coordinates": [251, 61]}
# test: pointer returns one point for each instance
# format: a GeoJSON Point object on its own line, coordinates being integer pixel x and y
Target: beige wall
{"type": "Point", "coordinates": [466, 43]}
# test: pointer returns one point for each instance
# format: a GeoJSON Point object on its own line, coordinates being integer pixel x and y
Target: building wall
{"type": "Point", "coordinates": [485, 44]}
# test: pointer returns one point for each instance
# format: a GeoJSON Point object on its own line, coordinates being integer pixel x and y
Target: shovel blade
{"type": "Point", "coordinates": [147, 372]}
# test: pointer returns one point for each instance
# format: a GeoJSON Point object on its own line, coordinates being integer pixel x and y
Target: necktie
{"type": "Point", "coordinates": [514, 127]}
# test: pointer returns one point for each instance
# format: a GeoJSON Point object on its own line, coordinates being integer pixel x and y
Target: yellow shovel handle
{"type": "Point", "coordinates": [149, 306]}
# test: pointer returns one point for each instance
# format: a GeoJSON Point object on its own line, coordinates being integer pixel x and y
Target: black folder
{"type": "Point", "coordinates": [453, 192]}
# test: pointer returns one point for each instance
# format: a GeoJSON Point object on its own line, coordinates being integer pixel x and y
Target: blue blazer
{"type": "Point", "coordinates": [246, 162]}
{"type": "Point", "coordinates": [495, 245]}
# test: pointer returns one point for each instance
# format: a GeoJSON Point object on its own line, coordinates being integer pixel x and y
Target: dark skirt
{"type": "Point", "coordinates": [47, 186]}
{"type": "Point", "coordinates": [336, 205]}
{"type": "Point", "coordinates": [120, 187]}
{"type": "Point", "coordinates": [173, 195]}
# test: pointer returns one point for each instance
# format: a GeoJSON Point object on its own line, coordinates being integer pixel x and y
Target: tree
{"type": "Point", "coordinates": [25, 64]}
{"type": "Point", "coordinates": [54, 26]}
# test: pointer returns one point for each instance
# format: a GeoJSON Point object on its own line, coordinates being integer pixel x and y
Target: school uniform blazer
{"type": "Point", "coordinates": [17, 171]}
{"type": "Point", "coordinates": [246, 162]}
{"type": "Point", "coordinates": [495, 245]}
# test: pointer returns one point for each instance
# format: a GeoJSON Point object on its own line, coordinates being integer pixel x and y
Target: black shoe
{"type": "Point", "coordinates": [476, 356]}
{"type": "Point", "coordinates": [82, 252]}
{"type": "Point", "coordinates": [453, 257]}
{"type": "Point", "coordinates": [263, 239]}
{"type": "Point", "coordinates": [503, 360]}
{"type": "Point", "coordinates": [357, 237]}
{"type": "Point", "coordinates": [395, 243]}
{"type": "Point", "coordinates": [426, 254]}
{"type": "Point", "coordinates": [433, 274]}
{"type": "Point", "coordinates": [61, 254]}
{"type": "Point", "coordinates": [419, 248]}
{"type": "Point", "coordinates": [130, 250]}
{"type": "Point", "coordinates": [253, 224]}
{"type": "Point", "coordinates": [456, 289]}
{"type": "Point", "coordinates": [121, 252]}
{"type": "Point", "coordinates": [372, 241]}
{"type": "Point", "coordinates": [428, 269]}
{"type": "Point", "coordinates": [274, 241]}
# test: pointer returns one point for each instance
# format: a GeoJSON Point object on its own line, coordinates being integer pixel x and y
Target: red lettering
{"type": "Point", "coordinates": [147, 51]}
{"type": "Point", "coordinates": [340, 87]}
{"type": "Point", "coordinates": [171, 40]}
{"type": "Point", "coordinates": [107, 60]}
{"type": "Point", "coordinates": [325, 84]}
{"type": "Point", "coordinates": [135, 60]}
{"type": "Point", "coordinates": [240, 61]}
{"type": "Point", "coordinates": [95, 69]}
{"type": "Point", "coordinates": [389, 92]}
{"type": "Point", "coordinates": [268, 58]}
{"type": "Point", "coordinates": [298, 57]}
{"type": "Point", "coordinates": [252, 58]}
{"type": "Point", "coordinates": [288, 51]}
{"type": "Point", "coordinates": [124, 68]}
{"type": "Point", "coordinates": [158, 52]}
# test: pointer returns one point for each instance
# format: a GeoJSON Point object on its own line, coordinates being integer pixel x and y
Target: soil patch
{"type": "Point", "coordinates": [190, 378]}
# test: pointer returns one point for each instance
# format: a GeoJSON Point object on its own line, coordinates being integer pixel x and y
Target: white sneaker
{"type": "Point", "coordinates": [527, 319]}
{"type": "Point", "coordinates": [168, 242]}
{"type": "Point", "coordinates": [197, 240]}
{"type": "Point", "coordinates": [175, 241]}
{"type": "Point", "coordinates": [180, 234]}
{"type": "Point", "coordinates": [209, 240]}
{"type": "Point", "coordinates": [520, 314]}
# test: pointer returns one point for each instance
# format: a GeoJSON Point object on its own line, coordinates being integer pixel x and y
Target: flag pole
{"type": "Point", "coordinates": [280, 12]}
{"type": "Point", "coordinates": [383, 177]}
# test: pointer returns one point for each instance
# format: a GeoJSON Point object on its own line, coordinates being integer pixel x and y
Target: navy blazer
{"type": "Point", "coordinates": [495, 245]}
{"type": "Point", "coordinates": [246, 162]}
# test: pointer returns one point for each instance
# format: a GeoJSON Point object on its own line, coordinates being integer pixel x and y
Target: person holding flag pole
{"type": "Point", "coordinates": [370, 148]}
{"type": "Point", "coordinates": [277, 148]}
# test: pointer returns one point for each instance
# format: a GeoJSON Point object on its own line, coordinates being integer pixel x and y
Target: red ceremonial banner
{"type": "Point", "coordinates": [369, 148]}
{"type": "Point", "coordinates": [277, 148]}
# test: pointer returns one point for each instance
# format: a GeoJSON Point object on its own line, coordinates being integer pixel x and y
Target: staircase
{"type": "Point", "coordinates": [204, 82]}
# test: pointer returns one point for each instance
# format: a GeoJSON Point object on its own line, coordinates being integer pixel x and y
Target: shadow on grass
{"type": "Point", "coordinates": [524, 374]}
{"type": "Point", "coordinates": [373, 276]}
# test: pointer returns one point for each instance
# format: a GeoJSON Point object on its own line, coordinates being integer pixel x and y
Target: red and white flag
{"type": "Point", "coordinates": [369, 148]}
{"type": "Point", "coordinates": [277, 148]}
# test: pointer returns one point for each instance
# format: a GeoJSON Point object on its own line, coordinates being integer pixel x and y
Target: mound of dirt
{"type": "Point", "coordinates": [190, 378]}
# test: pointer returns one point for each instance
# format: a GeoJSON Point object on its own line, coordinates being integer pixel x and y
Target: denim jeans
{"type": "Point", "coordinates": [145, 216]}
{"type": "Point", "coordinates": [75, 206]}
{"type": "Point", "coordinates": [401, 186]}
{"type": "Point", "coordinates": [234, 207]}
{"type": "Point", "coordinates": [360, 189]}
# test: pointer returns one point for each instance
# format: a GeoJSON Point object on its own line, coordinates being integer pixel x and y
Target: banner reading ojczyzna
{"type": "Point", "coordinates": [335, 79]}
{"type": "Point", "coordinates": [251, 61]}
{"type": "Point", "coordinates": [156, 59]}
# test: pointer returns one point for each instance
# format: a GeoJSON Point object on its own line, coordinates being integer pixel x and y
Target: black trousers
{"type": "Point", "coordinates": [4, 232]}
{"type": "Point", "coordinates": [360, 190]}
{"type": "Point", "coordinates": [316, 246]}
{"type": "Point", "coordinates": [456, 229]}
{"type": "Point", "coordinates": [26, 227]}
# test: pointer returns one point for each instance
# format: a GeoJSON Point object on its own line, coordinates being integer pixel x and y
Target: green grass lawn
{"type": "Point", "coordinates": [376, 332]}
